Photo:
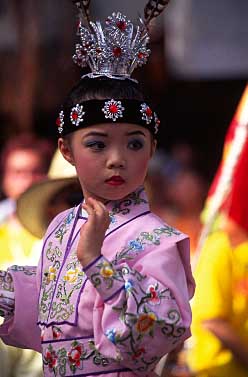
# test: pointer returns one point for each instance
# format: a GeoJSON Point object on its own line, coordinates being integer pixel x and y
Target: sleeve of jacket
{"type": "Point", "coordinates": [142, 310]}
{"type": "Point", "coordinates": [21, 329]}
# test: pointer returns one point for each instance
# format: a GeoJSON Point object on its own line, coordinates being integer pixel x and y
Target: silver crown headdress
{"type": "Point", "coordinates": [116, 48]}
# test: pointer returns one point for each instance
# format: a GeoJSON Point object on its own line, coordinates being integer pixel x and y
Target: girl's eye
{"type": "Point", "coordinates": [95, 145]}
{"type": "Point", "coordinates": [135, 144]}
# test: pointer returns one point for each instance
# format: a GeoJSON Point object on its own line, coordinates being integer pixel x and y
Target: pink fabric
{"type": "Point", "coordinates": [22, 330]}
{"type": "Point", "coordinates": [123, 311]}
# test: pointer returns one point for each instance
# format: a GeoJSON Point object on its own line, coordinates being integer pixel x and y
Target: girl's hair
{"type": "Point", "coordinates": [101, 88]}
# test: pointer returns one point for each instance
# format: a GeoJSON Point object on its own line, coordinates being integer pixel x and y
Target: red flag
{"type": "Point", "coordinates": [229, 189]}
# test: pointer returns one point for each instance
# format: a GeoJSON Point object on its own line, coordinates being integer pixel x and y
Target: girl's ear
{"type": "Point", "coordinates": [65, 148]}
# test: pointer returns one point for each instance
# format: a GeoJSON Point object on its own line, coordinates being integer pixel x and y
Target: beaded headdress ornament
{"type": "Point", "coordinates": [113, 49]}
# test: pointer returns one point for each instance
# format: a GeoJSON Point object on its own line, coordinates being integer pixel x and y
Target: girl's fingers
{"type": "Point", "coordinates": [97, 212]}
{"type": "Point", "coordinates": [88, 209]}
{"type": "Point", "coordinates": [98, 207]}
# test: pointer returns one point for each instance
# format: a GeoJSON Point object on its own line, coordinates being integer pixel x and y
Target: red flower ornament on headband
{"type": "Point", "coordinates": [113, 109]}
{"type": "Point", "coordinates": [77, 114]}
{"type": "Point", "coordinates": [60, 122]}
{"type": "Point", "coordinates": [147, 113]}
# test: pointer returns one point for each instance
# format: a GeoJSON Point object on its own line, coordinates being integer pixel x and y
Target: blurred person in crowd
{"type": "Point", "coordinates": [219, 343]}
{"type": "Point", "coordinates": [177, 191]}
{"type": "Point", "coordinates": [183, 153]}
{"type": "Point", "coordinates": [24, 161]}
{"type": "Point", "coordinates": [162, 170]}
{"type": "Point", "coordinates": [186, 194]}
{"type": "Point", "coordinates": [59, 191]}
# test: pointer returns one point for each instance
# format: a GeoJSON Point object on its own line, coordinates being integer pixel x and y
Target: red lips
{"type": "Point", "coordinates": [115, 180]}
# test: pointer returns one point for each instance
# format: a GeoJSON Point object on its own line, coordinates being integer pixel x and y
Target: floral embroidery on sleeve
{"type": "Point", "coordinates": [143, 322]}
{"type": "Point", "coordinates": [147, 310]}
{"type": "Point", "coordinates": [134, 247]}
{"type": "Point", "coordinates": [104, 275]}
{"type": "Point", "coordinates": [7, 297]}
{"type": "Point", "coordinates": [27, 270]}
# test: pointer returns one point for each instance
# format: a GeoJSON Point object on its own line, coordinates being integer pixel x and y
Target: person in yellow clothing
{"type": "Point", "coordinates": [18, 244]}
{"type": "Point", "coordinates": [220, 309]}
{"type": "Point", "coordinates": [219, 343]}
{"type": "Point", "coordinates": [24, 161]}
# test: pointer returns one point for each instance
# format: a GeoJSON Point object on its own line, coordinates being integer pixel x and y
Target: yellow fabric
{"type": "Point", "coordinates": [16, 362]}
{"type": "Point", "coordinates": [221, 291]}
{"type": "Point", "coordinates": [17, 246]}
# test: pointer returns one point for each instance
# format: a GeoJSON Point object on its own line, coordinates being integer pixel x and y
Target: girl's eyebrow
{"type": "Point", "coordinates": [96, 133]}
{"type": "Point", "coordinates": [135, 133]}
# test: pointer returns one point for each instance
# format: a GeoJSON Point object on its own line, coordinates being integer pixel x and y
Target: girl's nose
{"type": "Point", "coordinates": [116, 160]}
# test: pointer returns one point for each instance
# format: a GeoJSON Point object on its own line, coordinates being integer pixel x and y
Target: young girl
{"type": "Point", "coordinates": [111, 293]}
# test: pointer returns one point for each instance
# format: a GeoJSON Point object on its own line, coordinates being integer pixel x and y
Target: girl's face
{"type": "Point", "coordinates": [111, 159]}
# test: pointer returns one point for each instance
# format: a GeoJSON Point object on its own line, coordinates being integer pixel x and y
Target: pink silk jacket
{"type": "Point", "coordinates": [118, 315]}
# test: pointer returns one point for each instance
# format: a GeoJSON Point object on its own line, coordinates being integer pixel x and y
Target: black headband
{"type": "Point", "coordinates": [94, 112]}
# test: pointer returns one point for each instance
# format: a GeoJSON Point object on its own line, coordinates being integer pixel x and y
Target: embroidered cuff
{"type": "Point", "coordinates": [105, 278]}
{"type": "Point", "coordinates": [7, 295]}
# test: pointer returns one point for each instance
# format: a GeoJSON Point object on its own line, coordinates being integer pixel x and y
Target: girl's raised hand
{"type": "Point", "coordinates": [93, 231]}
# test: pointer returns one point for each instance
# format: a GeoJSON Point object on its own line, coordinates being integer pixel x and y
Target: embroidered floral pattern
{"type": "Point", "coordinates": [24, 269]}
{"type": "Point", "coordinates": [53, 255]}
{"type": "Point", "coordinates": [59, 285]}
{"type": "Point", "coordinates": [7, 306]}
{"type": "Point", "coordinates": [6, 281]}
{"type": "Point", "coordinates": [129, 286]}
{"type": "Point", "coordinates": [153, 292]}
{"type": "Point", "coordinates": [64, 360]}
{"type": "Point", "coordinates": [51, 274]}
{"type": "Point", "coordinates": [57, 332]}
{"type": "Point", "coordinates": [75, 355]}
{"type": "Point", "coordinates": [145, 293]}
{"type": "Point", "coordinates": [138, 353]}
{"type": "Point", "coordinates": [65, 226]}
{"type": "Point", "coordinates": [112, 219]}
{"type": "Point", "coordinates": [144, 321]}
{"type": "Point", "coordinates": [50, 359]}
{"type": "Point", "coordinates": [63, 307]}
{"type": "Point", "coordinates": [123, 206]}
{"type": "Point", "coordinates": [106, 274]}
{"type": "Point", "coordinates": [106, 270]}
{"type": "Point", "coordinates": [145, 239]}
{"type": "Point", "coordinates": [72, 275]}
